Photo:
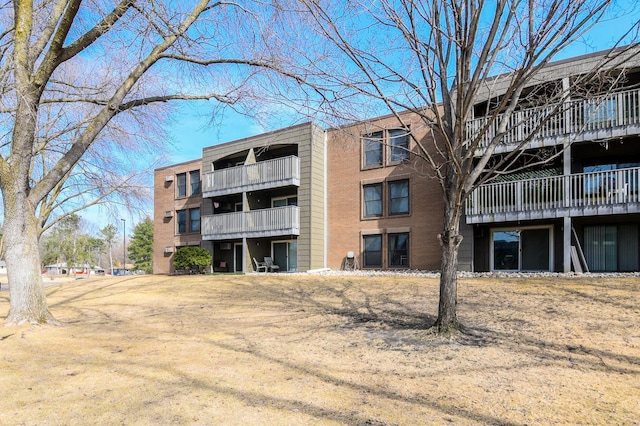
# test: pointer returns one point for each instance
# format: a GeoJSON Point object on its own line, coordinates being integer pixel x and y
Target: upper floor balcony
{"type": "Point", "coordinates": [262, 223]}
{"type": "Point", "coordinates": [582, 194]}
{"type": "Point", "coordinates": [267, 174]}
{"type": "Point", "coordinates": [594, 118]}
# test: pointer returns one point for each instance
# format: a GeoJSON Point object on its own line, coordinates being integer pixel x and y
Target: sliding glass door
{"type": "Point", "coordinates": [523, 249]}
{"type": "Point", "coordinates": [285, 255]}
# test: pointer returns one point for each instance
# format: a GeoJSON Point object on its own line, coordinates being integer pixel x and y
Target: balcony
{"type": "Point", "coordinates": [274, 173]}
{"type": "Point", "coordinates": [602, 117]}
{"type": "Point", "coordinates": [584, 194]}
{"type": "Point", "coordinates": [252, 224]}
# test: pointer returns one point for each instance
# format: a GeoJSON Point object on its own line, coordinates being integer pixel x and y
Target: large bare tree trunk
{"type": "Point", "coordinates": [450, 240]}
{"type": "Point", "coordinates": [28, 303]}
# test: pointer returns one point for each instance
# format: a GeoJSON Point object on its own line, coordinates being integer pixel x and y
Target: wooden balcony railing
{"type": "Point", "coordinates": [252, 224]}
{"type": "Point", "coordinates": [605, 112]}
{"type": "Point", "coordinates": [262, 175]}
{"type": "Point", "coordinates": [558, 193]}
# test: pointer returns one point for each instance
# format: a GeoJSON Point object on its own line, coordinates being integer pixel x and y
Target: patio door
{"type": "Point", "coordinates": [526, 249]}
{"type": "Point", "coordinates": [285, 255]}
{"type": "Point", "coordinates": [237, 257]}
{"type": "Point", "coordinates": [609, 248]}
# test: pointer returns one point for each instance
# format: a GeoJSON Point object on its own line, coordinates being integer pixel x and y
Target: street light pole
{"type": "Point", "coordinates": [124, 246]}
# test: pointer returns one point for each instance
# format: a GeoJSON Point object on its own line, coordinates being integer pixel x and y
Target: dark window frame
{"type": "Point", "coordinates": [193, 228]}
{"type": "Point", "coordinates": [373, 144]}
{"type": "Point", "coordinates": [398, 152]}
{"type": "Point", "coordinates": [367, 262]}
{"type": "Point", "coordinates": [393, 197]}
{"type": "Point", "coordinates": [366, 203]}
{"type": "Point", "coordinates": [196, 186]}
{"type": "Point", "coordinates": [397, 257]}
{"type": "Point", "coordinates": [181, 185]}
{"type": "Point", "coordinates": [181, 221]}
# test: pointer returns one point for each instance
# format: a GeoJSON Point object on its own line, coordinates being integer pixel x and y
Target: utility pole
{"type": "Point", "coordinates": [124, 246]}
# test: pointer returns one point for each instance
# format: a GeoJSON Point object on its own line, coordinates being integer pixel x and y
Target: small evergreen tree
{"type": "Point", "coordinates": [193, 258]}
{"type": "Point", "coordinates": [141, 246]}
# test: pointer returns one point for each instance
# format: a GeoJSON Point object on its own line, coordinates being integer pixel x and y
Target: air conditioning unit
{"type": "Point", "coordinates": [225, 246]}
{"type": "Point", "coordinates": [168, 249]}
{"type": "Point", "coordinates": [168, 213]}
{"type": "Point", "coordinates": [169, 178]}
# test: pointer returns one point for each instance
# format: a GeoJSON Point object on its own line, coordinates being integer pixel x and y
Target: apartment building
{"type": "Point", "coordinates": [580, 208]}
{"type": "Point", "coordinates": [314, 199]}
{"type": "Point", "coordinates": [262, 196]}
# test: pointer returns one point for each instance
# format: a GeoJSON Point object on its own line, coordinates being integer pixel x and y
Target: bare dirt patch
{"type": "Point", "coordinates": [276, 349]}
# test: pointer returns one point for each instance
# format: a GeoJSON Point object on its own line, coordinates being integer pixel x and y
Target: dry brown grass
{"type": "Point", "coordinates": [300, 350]}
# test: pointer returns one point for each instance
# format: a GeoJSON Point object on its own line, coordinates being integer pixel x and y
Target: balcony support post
{"type": "Point", "coordinates": [245, 256]}
{"type": "Point", "coordinates": [566, 171]}
{"type": "Point", "coordinates": [566, 244]}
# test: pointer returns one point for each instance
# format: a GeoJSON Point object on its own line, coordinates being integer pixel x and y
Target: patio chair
{"type": "Point", "coordinates": [222, 267]}
{"type": "Point", "coordinates": [260, 265]}
{"type": "Point", "coordinates": [271, 267]}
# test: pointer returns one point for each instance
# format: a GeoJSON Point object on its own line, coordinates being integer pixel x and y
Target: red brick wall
{"type": "Point", "coordinates": [345, 179]}
{"type": "Point", "coordinates": [164, 228]}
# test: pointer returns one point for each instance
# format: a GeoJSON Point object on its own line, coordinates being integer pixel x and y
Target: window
{"type": "Point", "coordinates": [398, 145]}
{"type": "Point", "coordinates": [182, 185]}
{"type": "Point", "coordinates": [182, 221]}
{"type": "Point", "coordinates": [194, 220]}
{"type": "Point", "coordinates": [398, 250]}
{"type": "Point", "coordinates": [399, 197]}
{"type": "Point", "coordinates": [373, 150]}
{"type": "Point", "coordinates": [194, 179]}
{"type": "Point", "coordinates": [372, 255]}
{"type": "Point", "coordinates": [372, 200]}
{"type": "Point", "coordinates": [284, 201]}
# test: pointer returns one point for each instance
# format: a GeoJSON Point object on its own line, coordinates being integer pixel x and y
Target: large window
{"type": "Point", "coordinates": [372, 256]}
{"type": "Point", "coordinates": [399, 197]}
{"type": "Point", "coordinates": [398, 145]}
{"type": "Point", "coordinates": [372, 200]}
{"type": "Point", "coordinates": [182, 185]}
{"type": "Point", "coordinates": [182, 221]}
{"type": "Point", "coordinates": [194, 220]}
{"type": "Point", "coordinates": [399, 250]}
{"type": "Point", "coordinates": [373, 150]}
{"type": "Point", "coordinates": [194, 179]}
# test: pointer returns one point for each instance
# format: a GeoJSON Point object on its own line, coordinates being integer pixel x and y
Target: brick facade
{"type": "Point", "coordinates": [167, 202]}
{"type": "Point", "coordinates": [347, 174]}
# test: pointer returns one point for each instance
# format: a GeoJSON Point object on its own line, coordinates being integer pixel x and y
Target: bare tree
{"type": "Point", "coordinates": [82, 82]}
{"type": "Point", "coordinates": [109, 232]}
{"type": "Point", "coordinates": [437, 59]}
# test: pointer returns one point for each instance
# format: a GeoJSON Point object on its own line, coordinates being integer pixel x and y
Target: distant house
{"type": "Point", "coordinates": [62, 269]}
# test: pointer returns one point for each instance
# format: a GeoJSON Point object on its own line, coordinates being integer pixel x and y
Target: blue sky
{"type": "Point", "coordinates": [191, 126]}
{"type": "Point", "coordinates": [192, 131]}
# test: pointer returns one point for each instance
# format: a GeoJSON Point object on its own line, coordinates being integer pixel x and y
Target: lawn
{"type": "Point", "coordinates": [312, 350]}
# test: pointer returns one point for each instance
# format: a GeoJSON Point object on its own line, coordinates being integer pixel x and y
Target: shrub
{"type": "Point", "coordinates": [192, 258]}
